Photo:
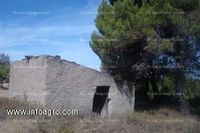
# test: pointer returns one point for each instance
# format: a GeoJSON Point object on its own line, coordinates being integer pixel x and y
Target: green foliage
{"type": "Point", "coordinates": [122, 41]}
{"type": "Point", "coordinates": [4, 67]}
{"type": "Point", "coordinates": [123, 26]}
{"type": "Point", "coordinates": [167, 85]}
{"type": "Point", "coordinates": [188, 5]}
{"type": "Point", "coordinates": [4, 59]}
{"type": "Point", "coordinates": [166, 45]}
{"type": "Point", "coordinates": [4, 71]}
{"type": "Point", "coordinates": [192, 89]}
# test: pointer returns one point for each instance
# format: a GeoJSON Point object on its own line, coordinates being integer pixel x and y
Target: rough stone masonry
{"type": "Point", "coordinates": [58, 84]}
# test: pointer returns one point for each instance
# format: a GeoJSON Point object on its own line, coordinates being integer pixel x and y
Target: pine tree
{"type": "Point", "coordinates": [134, 36]}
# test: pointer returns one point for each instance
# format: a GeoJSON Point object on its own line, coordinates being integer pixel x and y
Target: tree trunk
{"type": "Point", "coordinates": [180, 80]}
{"type": "Point", "coordinates": [141, 97]}
{"type": "Point", "coordinates": [154, 86]}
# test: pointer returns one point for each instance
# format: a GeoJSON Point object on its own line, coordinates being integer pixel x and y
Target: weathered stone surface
{"type": "Point", "coordinates": [28, 80]}
{"type": "Point", "coordinates": [5, 85]}
{"type": "Point", "coordinates": [61, 84]}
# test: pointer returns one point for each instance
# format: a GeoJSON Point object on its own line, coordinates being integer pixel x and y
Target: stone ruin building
{"type": "Point", "coordinates": [56, 83]}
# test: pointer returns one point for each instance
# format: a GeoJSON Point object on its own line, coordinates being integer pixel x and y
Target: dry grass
{"type": "Point", "coordinates": [161, 121]}
{"type": "Point", "coordinates": [164, 120]}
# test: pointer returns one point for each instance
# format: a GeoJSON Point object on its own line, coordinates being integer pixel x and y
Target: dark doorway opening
{"type": "Point", "coordinates": [100, 98]}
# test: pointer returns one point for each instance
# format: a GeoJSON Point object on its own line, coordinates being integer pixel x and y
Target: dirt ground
{"type": "Point", "coordinates": [3, 93]}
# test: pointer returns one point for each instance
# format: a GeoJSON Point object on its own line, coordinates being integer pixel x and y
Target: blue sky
{"type": "Point", "coordinates": [55, 27]}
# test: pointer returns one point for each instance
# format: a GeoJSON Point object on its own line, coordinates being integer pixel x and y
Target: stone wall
{"type": "Point", "coordinates": [27, 79]}
{"type": "Point", "coordinates": [57, 84]}
{"type": "Point", "coordinates": [72, 85]}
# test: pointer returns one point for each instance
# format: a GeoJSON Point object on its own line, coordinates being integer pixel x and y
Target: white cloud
{"type": "Point", "coordinates": [44, 35]}
{"type": "Point", "coordinates": [63, 32]}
